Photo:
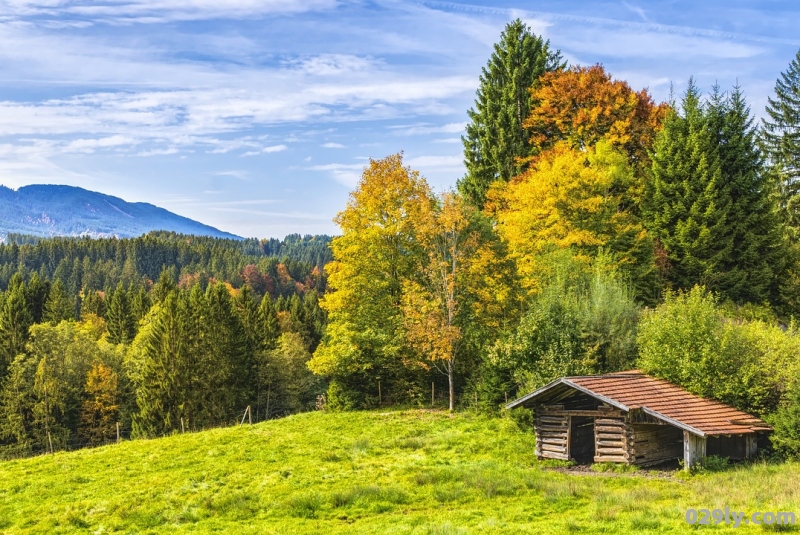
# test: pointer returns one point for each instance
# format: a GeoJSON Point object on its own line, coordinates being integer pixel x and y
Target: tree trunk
{"type": "Point", "coordinates": [451, 386]}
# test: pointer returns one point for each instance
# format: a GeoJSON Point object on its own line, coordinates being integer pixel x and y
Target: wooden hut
{"type": "Point", "coordinates": [629, 417]}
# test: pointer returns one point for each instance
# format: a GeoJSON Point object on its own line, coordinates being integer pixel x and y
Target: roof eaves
{"type": "Point", "coordinates": [674, 422]}
{"type": "Point", "coordinates": [519, 401]}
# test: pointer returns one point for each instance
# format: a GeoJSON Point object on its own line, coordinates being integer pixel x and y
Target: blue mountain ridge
{"type": "Point", "coordinates": [52, 210]}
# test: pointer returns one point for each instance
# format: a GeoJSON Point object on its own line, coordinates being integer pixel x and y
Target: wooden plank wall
{"type": "Point", "coordinates": [654, 443]}
{"type": "Point", "coordinates": [613, 440]}
{"type": "Point", "coordinates": [552, 436]}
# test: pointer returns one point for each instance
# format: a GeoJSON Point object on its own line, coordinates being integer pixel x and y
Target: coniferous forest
{"type": "Point", "coordinates": [595, 230]}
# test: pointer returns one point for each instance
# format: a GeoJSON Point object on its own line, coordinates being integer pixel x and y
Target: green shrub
{"type": "Point", "coordinates": [786, 422]}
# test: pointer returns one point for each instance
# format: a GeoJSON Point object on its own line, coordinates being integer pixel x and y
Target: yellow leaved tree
{"type": "Point", "coordinates": [583, 200]}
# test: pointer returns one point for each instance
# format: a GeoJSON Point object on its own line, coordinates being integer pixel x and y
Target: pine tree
{"type": "Point", "coordinates": [160, 368]}
{"type": "Point", "coordinates": [495, 138]}
{"type": "Point", "coordinates": [270, 330]}
{"type": "Point", "coordinates": [36, 294]}
{"type": "Point", "coordinates": [59, 306]}
{"type": "Point", "coordinates": [15, 320]}
{"type": "Point", "coordinates": [780, 140]}
{"type": "Point", "coordinates": [709, 202]}
{"type": "Point", "coordinates": [120, 322]}
{"type": "Point", "coordinates": [756, 263]}
{"type": "Point", "coordinates": [685, 206]}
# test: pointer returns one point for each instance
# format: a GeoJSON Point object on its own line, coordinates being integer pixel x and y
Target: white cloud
{"type": "Point", "coordinates": [346, 174]}
{"type": "Point", "coordinates": [154, 11]}
{"type": "Point", "coordinates": [267, 150]}
{"type": "Point", "coordinates": [333, 146]}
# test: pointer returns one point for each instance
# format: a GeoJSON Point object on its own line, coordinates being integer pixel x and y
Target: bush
{"type": "Point", "coordinates": [583, 321]}
{"type": "Point", "coordinates": [786, 421]}
{"type": "Point", "coordinates": [688, 340]}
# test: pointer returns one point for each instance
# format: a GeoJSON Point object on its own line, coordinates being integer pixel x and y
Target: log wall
{"type": "Point", "coordinates": [613, 439]}
{"type": "Point", "coordinates": [654, 443]}
{"type": "Point", "coordinates": [552, 436]}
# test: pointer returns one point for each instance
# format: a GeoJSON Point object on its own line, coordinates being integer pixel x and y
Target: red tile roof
{"type": "Point", "coordinates": [664, 400]}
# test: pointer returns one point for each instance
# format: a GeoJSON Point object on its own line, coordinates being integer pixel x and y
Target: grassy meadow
{"type": "Point", "coordinates": [402, 472]}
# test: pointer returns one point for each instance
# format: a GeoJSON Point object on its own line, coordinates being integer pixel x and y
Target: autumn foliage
{"type": "Point", "coordinates": [582, 105]}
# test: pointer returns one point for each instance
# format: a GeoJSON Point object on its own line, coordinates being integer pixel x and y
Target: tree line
{"type": "Point", "coordinates": [186, 351]}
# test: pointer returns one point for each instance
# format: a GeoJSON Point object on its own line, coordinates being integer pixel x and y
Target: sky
{"type": "Point", "coordinates": [258, 116]}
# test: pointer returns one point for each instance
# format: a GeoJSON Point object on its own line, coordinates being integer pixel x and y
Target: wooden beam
{"type": "Point", "coordinates": [694, 450]}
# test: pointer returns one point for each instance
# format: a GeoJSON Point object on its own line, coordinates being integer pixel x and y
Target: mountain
{"type": "Point", "coordinates": [50, 210]}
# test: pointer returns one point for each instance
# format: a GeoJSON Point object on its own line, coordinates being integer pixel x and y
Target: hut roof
{"type": "Point", "coordinates": [661, 399]}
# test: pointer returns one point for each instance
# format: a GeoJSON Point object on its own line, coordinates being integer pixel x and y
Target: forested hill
{"type": "Point", "coordinates": [82, 264]}
{"type": "Point", "coordinates": [50, 210]}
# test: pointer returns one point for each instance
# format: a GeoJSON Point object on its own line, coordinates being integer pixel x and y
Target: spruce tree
{"type": "Point", "coordinates": [15, 320]}
{"type": "Point", "coordinates": [120, 322]}
{"type": "Point", "coordinates": [757, 262]}
{"type": "Point", "coordinates": [709, 203]}
{"type": "Point", "coordinates": [270, 329]}
{"type": "Point", "coordinates": [780, 140]}
{"type": "Point", "coordinates": [495, 138]}
{"type": "Point", "coordinates": [36, 293]}
{"type": "Point", "coordinates": [59, 306]}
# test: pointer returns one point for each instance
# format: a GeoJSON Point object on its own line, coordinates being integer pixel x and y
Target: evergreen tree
{"type": "Point", "coordinates": [59, 306]}
{"type": "Point", "coordinates": [120, 322]}
{"type": "Point", "coordinates": [780, 140]}
{"type": "Point", "coordinates": [15, 320]}
{"type": "Point", "coordinates": [36, 294]}
{"type": "Point", "coordinates": [757, 262]}
{"type": "Point", "coordinates": [709, 203]}
{"type": "Point", "coordinates": [270, 329]}
{"type": "Point", "coordinates": [495, 137]}
{"type": "Point", "coordinates": [159, 369]}
{"type": "Point", "coordinates": [92, 303]}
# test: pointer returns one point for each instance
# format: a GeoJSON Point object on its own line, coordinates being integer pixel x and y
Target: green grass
{"type": "Point", "coordinates": [404, 472]}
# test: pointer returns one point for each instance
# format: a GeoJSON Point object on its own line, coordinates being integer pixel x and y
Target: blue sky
{"type": "Point", "coordinates": [257, 116]}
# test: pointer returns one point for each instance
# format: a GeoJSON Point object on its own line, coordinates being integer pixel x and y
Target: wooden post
{"type": "Point", "coordinates": [694, 450]}
{"type": "Point", "coordinates": [751, 446]}
{"type": "Point", "coordinates": [432, 393]}
{"type": "Point", "coordinates": [476, 399]}
{"type": "Point", "coordinates": [249, 415]}
{"type": "Point", "coordinates": [50, 440]}
{"type": "Point", "coordinates": [183, 429]}
{"type": "Point", "coordinates": [117, 432]}
{"type": "Point", "coordinates": [380, 397]}
{"type": "Point", "coordinates": [506, 398]}
{"type": "Point", "coordinates": [244, 416]}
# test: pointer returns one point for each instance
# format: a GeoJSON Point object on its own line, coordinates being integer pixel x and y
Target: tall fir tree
{"type": "Point", "coordinates": [270, 329]}
{"type": "Point", "coordinates": [495, 138]}
{"type": "Point", "coordinates": [780, 141]}
{"type": "Point", "coordinates": [36, 293]}
{"type": "Point", "coordinates": [15, 320]}
{"type": "Point", "coordinates": [120, 322]}
{"type": "Point", "coordinates": [684, 206]}
{"type": "Point", "coordinates": [709, 202]}
{"type": "Point", "coordinates": [59, 305]}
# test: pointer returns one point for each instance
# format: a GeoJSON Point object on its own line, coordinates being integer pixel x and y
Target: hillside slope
{"type": "Point", "coordinates": [412, 472]}
{"type": "Point", "coordinates": [49, 210]}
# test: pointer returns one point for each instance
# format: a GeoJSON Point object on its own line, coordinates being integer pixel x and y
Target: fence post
{"type": "Point", "coordinates": [432, 391]}
{"type": "Point", "coordinates": [117, 432]}
{"type": "Point", "coordinates": [50, 440]}
{"type": "Point", "coordinates": [183, 429]}
{"type": "Point", "coordinates": [249, 415]}
{"type": "Point", "coordinates": [380, 397]}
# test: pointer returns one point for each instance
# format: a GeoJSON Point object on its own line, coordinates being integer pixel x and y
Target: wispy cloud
{"type": "Point", "coordinates": [332, 145]}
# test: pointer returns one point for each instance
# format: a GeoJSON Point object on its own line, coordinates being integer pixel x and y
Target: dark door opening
{"type": "Point", "coordinates": [581, 439]}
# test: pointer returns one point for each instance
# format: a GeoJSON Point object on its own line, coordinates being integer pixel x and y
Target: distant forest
{"type": "Point", "coordinates": [96, 332]}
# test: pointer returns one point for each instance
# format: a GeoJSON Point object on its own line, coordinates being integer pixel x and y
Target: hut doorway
{"type": "Point", "coordinates": [581, 439]}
